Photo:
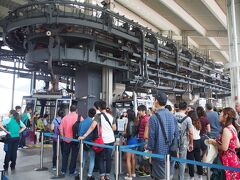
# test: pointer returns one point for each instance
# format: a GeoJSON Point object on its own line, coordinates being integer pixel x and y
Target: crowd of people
{"type": "Point", "coordinates": [160, 129]}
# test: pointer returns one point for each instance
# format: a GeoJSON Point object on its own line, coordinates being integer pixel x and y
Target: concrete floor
{"type": "Point", "coordinates": [28, 159]}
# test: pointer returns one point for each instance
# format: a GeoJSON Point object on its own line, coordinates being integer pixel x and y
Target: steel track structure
{"type": "Point", "coordinates": [59, 36]}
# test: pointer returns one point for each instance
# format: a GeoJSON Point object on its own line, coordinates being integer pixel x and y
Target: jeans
{"type": "Point", "coordinates": [105, 155]}
{"type": "Point", "coordinates": [11, 154]}
{"type": "Point", "coordinates": [195, 155]}
{"type": "Point", "coordinates": [182, 154]}
{"type": "Point", "coordinates": [91, 155]}
{"type": "Point", "coordinates": [54, 158]}
{"type": "Point", "coordinates": [67, 148]}
{"type": "Point", "coordinates": [22, 142]}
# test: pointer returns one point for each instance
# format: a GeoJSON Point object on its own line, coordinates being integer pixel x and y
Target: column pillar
{"type": "Point", "coordinates": [88, 86]}
{"type": "Point", "coordinates": [107, 85]}
{"type": "Point", "coordinates": [233, 14]}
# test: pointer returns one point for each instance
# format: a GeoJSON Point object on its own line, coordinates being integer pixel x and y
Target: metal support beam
{"type": "Point", "coordinates": [233, 7]}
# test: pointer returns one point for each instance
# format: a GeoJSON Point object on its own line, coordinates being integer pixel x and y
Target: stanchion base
{"type": "Point", "coordinates": [41, 169]}
{"type": "Point", "coordinates": [58, 177]}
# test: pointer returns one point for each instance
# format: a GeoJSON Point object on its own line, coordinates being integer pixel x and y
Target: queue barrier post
{"type": "Point", "coordinates": [41, 156]}
{"type": "Point", "coordinates": [208, 173]}
{"type": "Point", "coordinates": [81, 161]}
{"type": "Point", "coordinates": [58, 175]}
{"type": "Point", "coordinates": [117, 161]}
{"type": "Point", "coordinates": [167, 167]}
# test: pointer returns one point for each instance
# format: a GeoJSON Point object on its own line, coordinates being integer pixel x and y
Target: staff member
{"type": "Point", "coordinates": [13, 127]}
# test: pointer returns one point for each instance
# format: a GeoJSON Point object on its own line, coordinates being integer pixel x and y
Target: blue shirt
{"type": "Point", "coordinates": [84, 126]}
{"type": "Point", "coordinates": [156, 141]}
{"type": "Point", "coordinates": [56, 122]}
{"type": "Point", "coordinates": [214, 123]}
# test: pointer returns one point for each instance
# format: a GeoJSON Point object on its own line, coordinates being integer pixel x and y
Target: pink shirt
{"type": "Point", "coordinates": [66, 125]}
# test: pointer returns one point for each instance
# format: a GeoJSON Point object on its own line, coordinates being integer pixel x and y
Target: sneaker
{"type": "Point", "coordinates": [90, 178]}
{"type": "Point", "coordinates": [107, 177]}
{"type": "Point", "coordinates": [144, 174]}
{"type": "Point", "coordinates": [73, 174]}
{"type": "Point", "coordinates": [133, 175]}
{"type": "Point", "coordinates": [128, 178]}
{"type": "Point", "coordinates": [54, 168]}
{"type": "Point", "coordinates": [63, 173]}
{"type": "Point", "coordinates": [199, 177]}
{"type": "Point", "coordinates": [25, 147]}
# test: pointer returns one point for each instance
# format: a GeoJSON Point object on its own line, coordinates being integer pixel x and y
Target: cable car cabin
{"type": "Point", "coordinates": [47, 104]}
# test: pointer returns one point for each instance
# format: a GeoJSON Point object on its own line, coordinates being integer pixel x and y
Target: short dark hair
{"type": "Point", "coordinates": [12, 111]}
{"type": "Point", "coordinates": [168, 107]}
{"type": "Point", "coordinates": [97, 104]}
{"type": "Point", "coordinates": [91, 112]}
{"type": "Point", "coordinates": [209, 106]}
{"type": "Point", "coordinates": [73, 108]}
{"type": "Point", "coordinates": [17, 107]}
{"type": "Point", "coordinates": [103, 105]}
{"type": "Point", "coordinates": [61, 113]}
{"type": "Point", "coordinates": [29, 108]}
{"type": "Point", "coordinates": [142, 108]}
{"type": "Point", "coordinates": [182, 105]}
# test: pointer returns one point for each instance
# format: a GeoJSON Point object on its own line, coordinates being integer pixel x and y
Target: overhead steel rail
{"type": "Point", "coordinates": [71, 34]}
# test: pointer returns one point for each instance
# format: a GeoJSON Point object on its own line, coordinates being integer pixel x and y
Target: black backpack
{"type": "Point", "coordinates": [75, 128]}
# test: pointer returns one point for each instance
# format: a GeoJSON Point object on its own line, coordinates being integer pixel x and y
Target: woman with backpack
{"type": "Point", "coordinates": [55, 128]}
{"type": "Point", "coordinates": [131, 135]}
{"type": "Point", "coordinates": [13, 126]}
{"type": "Point", "coordinates": [195, 154]}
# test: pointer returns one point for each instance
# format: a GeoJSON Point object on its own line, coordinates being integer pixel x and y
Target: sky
{"type": "Point", "coordinates": [22, 88]}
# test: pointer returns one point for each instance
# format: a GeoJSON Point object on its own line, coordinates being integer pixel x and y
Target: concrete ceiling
{"type": "Point", "coordinates": [202, 21]}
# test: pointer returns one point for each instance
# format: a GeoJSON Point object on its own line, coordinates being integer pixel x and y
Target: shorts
{"type": "Point", "coordinates": [132, 141]}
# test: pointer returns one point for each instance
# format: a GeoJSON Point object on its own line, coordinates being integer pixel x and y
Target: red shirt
{"type": "Point", "coordinates": [142, 125]}
{"type": "Point", "coordinates": [66, 125]}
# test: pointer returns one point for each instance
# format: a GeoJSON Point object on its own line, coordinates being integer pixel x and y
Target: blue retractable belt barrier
{"type": "Point", "coordinates": [49, 135]}
{"type": "Point", "coordinates": [205, 164]}
{"type": "Point", "coordinates": [160, 156]}
{"type": "Point", "coordinates": [99, 145]}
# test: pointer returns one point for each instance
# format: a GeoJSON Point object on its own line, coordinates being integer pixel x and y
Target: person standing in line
{"type": "Point", "coordinates": [87, 150]}
{"type": "Point", "coordinates": [143, 118]}
{"type": "Point", "coordinates": [107, 125]}
{"type": "Point", "coordinates": [156, 140]}
{"type": "Point", "coordinates": [55, 128]}
{"type": "Point", "coordinates": [65, 129]}
{"type": "Point", "coordinates": [131, 135]}
{"type": "Point", "coordinates": [26, 119]}
{"type": "Point", "coordinates": [196, 153]}
{"type": "Point", "coordinates": [227, 143]}
{"type": "Point", "coordinates": [205, 130]}
{"type": "Point", "coordinates": [212, 117]}
{"type": "Point", "coordinates": [13, 126]}
{"type": "Point", "coordinates": [185, 136]}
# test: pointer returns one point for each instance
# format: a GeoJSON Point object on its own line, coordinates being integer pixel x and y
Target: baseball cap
{"type": "Point", "coordinates": [161, 97]}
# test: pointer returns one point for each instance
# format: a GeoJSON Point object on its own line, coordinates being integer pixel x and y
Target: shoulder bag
{"type": "Point", "coordinates": [174, 145]}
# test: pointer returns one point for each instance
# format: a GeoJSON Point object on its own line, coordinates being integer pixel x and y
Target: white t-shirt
{"type": "Point", "coordinates": [107, 131]}
{"type": "Point", "coordinates": [196, 134]}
